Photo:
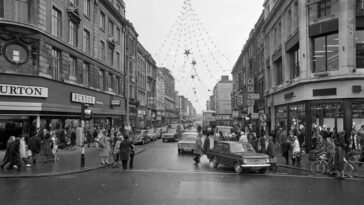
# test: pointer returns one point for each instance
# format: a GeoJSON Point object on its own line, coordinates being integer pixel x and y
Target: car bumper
{"type": "Point", "coordinates": [254, 165]}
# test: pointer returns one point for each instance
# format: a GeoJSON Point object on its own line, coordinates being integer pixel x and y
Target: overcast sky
{"type": "Point", "coordinates": [214, 31]}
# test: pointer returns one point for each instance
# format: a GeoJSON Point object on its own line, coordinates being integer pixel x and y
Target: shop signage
{"type": "Point", "coordinates": [75, 97]}
{"type": "Point", "coordinates": [250, 88]}
{"type": "Point", "coordinates": [141, 112]}
{"type": "Point", "coordinates": [115, 103]}
{"type": "Point", "coordinates": [289, 96]}
{"type": "Point", "coordinates": [250, 102]}
{"type": "Point", "coordinates": [250, 81]}
{"type": "Point", "coordinates": [255, 115]}
{"type": "Point", "coordinates": [253, 96]}
{"type": "Point", "coordinates": [324, 92]}
{"type": "Point", "coordinates": [23, 91]}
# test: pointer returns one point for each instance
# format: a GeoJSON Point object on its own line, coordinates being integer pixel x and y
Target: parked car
{"type": "Point", "coordinates": [237, 155]}
{"type": "Point", "coordinates": [179, 129]}
{"type": "Point", "coordinates": [187, 142]}
{"type": "Point", "coordinates": [170, 135]}
{"type": "Point", "coordinates": [151, 134]}
{"type": "Point", "coordinates": [140, 137]}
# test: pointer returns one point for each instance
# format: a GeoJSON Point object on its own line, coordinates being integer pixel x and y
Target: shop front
{"type": "Point", "coordinates": [310, 109]}
{"type": "Point", "coordinates": [30, 102]}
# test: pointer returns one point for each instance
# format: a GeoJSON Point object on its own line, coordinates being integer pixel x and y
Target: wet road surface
{"type": "Point", "coordinates": [161, 176]}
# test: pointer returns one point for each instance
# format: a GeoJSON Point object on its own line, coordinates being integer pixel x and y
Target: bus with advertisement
{"type": "Point", "coordinates": [208, 121]}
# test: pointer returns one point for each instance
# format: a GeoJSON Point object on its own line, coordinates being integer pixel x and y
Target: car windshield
{"type": "Point", "coordinates": [189, 137]}
{"type": "Point", "coordinates": [150, 131]}
{"type": "Point", "coordinates": [174, 126]}
{"type": "Point", "coordinates": [248, 147]}
{"type": "Point", "coordinates": [139, 132]}
{"type": "Point", "coordinates": [237, 148]}
{"type": "Point", "coordinates": [171, 130]}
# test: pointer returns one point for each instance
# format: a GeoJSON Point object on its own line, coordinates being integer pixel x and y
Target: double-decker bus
{"type": "Point", "coordinates": [208, 121]}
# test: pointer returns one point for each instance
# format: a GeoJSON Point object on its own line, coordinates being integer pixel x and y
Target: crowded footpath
{"type": "Point", "coordinates": [114, 146]}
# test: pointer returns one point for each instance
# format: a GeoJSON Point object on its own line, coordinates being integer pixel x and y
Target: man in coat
{"type": "Point", "coordinates": [125, 150]}
{"type": "Point", "coordinates": [34, 144]}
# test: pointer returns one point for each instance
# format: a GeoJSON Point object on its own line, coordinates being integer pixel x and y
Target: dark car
{"type": "Point", "coordinates": [170, 135]}
{"type": "Point", "coordinates": [237, 155]}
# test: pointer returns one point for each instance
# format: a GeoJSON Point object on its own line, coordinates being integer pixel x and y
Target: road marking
{"type": "Point", "coordinates": [228, 173]}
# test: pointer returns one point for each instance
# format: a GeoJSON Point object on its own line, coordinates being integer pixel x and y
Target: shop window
{"type": "Point", "coordinates": [358, 115]}
{"type": "Point", "coordinates": [328, 115]}
{"type": "Point", "coordinates": [297, 120]}
{"type": "Point", "coordinates": [279, 72]}
{"type": "Point", "coordinates": [294, 62]}
{"type": "Point", "coordinates": [281, 117]}
{"type": "Point", "coordinates": [326, 53]}
{"type": "Point", "coordinates": [56, 23]}
{"type": "Point", "coordinates": [359, 42]}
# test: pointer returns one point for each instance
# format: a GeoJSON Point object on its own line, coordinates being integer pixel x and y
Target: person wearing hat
{"type": "Point", "coordinates": [360, 137]}
{"type": "Point", "coordinates": [125, 149]}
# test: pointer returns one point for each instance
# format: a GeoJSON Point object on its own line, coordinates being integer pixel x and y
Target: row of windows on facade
{"type": "Point", "coordinates": [325, 56]}
{"type": "Point", "coordinates": [56, 30]}
{"type": "Point", "coordinates": [103, 80]}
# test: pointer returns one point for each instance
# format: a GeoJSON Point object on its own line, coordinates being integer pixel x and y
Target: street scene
{"type": "Point", "coordinates": [181, 102]}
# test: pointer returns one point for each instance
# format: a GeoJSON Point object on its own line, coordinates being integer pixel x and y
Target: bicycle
{"type": "Point", "coordinates": [321, 166]}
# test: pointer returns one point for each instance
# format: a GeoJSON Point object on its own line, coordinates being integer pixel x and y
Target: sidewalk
{"type": "Point", "coordinates": [69, 163]}
{"type": "Point", "coordinates": [305, 165]}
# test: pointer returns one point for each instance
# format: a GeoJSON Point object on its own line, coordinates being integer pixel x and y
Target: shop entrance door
{"type": "Point", "coordinates": [15, 128]}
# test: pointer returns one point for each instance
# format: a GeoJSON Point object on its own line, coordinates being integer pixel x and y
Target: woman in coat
{"type": "Point", "coordinates": [9, 147]}
{"type": "Point", "coordinates": [339, 155]}
{"type": "Point", "coordinates": [125, 150]}
{"type": "Point", "coordinates": [23, 152]}
{"type": "Point", "coordinates": [198, 149]}
{"type": "Point", "coordinates": [47, 147]}
{"type": "Point", "coordinates": [104, 147]}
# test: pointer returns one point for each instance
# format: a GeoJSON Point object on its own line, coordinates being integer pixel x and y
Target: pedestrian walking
{"type": "Point", "coordinates": [271, 152]}
{"type": "Point", "coordinates": [132, 154]}
{"type": "Point", "coordinates": [47, 148]}
{"type": "Point", "coordinates": [7, 156]}
{"type": "Point", "coordinates": [15, 162]}
{"type": "Point", "coordinates": [285, 148]}
{"type": "Point", "coordinates": [54, 146]}
{"type": "Point", "coordinates": [339, 155]}
{"type": "Point", "coordinates": [125, 150]}
{"type": "Point", "coordinates": [34, 144]}
{"type": "Point", "coordinates": [73, 138]}
{"type": "Point", "coordinates": [198, 149]}
{"type": "Point", "coordinates": [104, 147]}
{"type": "Point", "coordinates": [23, 151]}
{"type": "Point", "coordinates": [295, 150]}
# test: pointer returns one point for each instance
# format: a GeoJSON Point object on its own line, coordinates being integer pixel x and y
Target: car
{"type": "Point", "coordinates": [151, 135]}
{"type": "Point", "coordinates": [187, 142]}
{"type": "Point", "coordinates": [237, 155]}
{"type": "Point", "coordinates": [179, 129]}
{"type": "Point", "coordinates": [140, 137]}
{"type": "Point", "coordinates": [170, 135]}
{"type": "Point", "coordinates": [191, 129]}
{"type": "Point", "coordinates": [227, 132]}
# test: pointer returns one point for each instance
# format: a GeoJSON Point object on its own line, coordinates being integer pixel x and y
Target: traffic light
{"type": "Point", "coordinates": [86, 114]}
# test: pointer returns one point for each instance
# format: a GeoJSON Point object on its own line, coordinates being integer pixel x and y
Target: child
{"type": "Point", "coordinates": [116, 152]}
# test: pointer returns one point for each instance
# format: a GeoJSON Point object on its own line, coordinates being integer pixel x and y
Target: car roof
{"type": "Point", "coordinates": [194, 133]}
{"type": "Point", "coordinates": [224, 127]}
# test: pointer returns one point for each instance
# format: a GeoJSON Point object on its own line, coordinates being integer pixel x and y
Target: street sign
{"type": "Point", "coordinates": [250, 88]}
{"type": "Point", "coordinates": [250, 81]}
{"type": "Point", "coordinates": [255, 115]}
{"type": "Point", "coordinates": [253, 96]}
{"type": "Point", "coordinates": [250, 102]}
{"type": "Point", "coordinates": [263, 117]}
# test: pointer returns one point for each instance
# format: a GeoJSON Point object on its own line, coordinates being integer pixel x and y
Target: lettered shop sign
{"type": "Point", "coordinates": [24, 91]}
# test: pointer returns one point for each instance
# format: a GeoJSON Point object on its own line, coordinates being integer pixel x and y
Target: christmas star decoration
{"type": "Point", "coordinates": [187, 52]}
{"type": "Point", "coordinates": [194, 62]}
{"type": "Point", "coordinates": [192, 76]}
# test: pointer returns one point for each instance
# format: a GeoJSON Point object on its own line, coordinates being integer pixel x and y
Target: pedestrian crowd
{"type": "Point", "coordinates": [21, 152]}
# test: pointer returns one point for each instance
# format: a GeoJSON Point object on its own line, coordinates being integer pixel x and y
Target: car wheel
{"type": "Point", "coordinates": [262, 170]}
{"type": "Point", "coordinates": [237, 168]}
{"type": "Point", "coordinates": [214, 163]}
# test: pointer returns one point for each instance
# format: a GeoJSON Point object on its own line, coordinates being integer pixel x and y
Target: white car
{"type": "Point", "coordinates": [187, 142]}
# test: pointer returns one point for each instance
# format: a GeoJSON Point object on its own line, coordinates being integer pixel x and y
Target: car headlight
{"type": "Point", "coordinates": [244, 161]}
{"type": "Point", "coordinates": [179, 145]}
{"type": "Point", "coordinates": [267, 160]}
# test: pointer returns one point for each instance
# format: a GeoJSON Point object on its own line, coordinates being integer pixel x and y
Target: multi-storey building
{"type": "Point", "coordinates": [222, 95]}
{"type": "Point", "coordinates": [169, 95]}
{"type": "Point", "coordinates": [141, 80]}
{"type": "Point", "coordinates": [151, 91]}
{"type": "Point", "coordinates": [313, 65]}
{"type": "Point", "coordinates": [159, 99]}
{"type": "Point", "coordinates": [57, 55]}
